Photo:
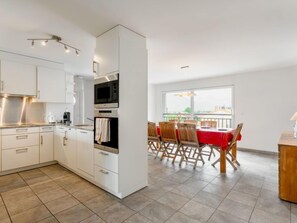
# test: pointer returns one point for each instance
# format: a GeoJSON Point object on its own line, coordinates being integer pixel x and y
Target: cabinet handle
{"type": "Point", "coordinates": [2, 85]}
{"type": "Point", "coordinates": [45, 128]}
{"type": "Point", "coordinates": [21, 130]}
{"type": "Point", "coordinates": [104, 154]}
{"type": "Point", "coordinates": [22, 137]}
{"type": "Point", "coordinates": [41, 140]}
{"type": "Point", "coordinates": [83, 132]}
{"type": "Point", "coordinates": [22, 150]}
{"type": "Point", "coordinates": [64, 141]}
{"type": "Point", "coordinates": [104, 172]}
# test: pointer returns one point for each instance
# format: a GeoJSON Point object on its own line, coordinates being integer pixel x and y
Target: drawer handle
{"type": "Point", "coordinates": [83, 132]}
{"type": "Point", "coordinates": [22, 137]}
{"type": "Point", "coordinates": [104, 172]}
{"type": "Point", "coordinates": [104, 154]}
{"type": "Point", "coordinates": [45, 128]}
{"type": "Point", "coordinates": [64, 141]}
{"type": "Point", "coordinates": [22, 150]}
{"type": "Point", "coordinates": [21, 130]}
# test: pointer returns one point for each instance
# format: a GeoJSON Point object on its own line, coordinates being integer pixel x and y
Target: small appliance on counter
{"type": "Point", "coordinates": [51, 118]}
{"type": "Point", "coordinates": [66, 118]}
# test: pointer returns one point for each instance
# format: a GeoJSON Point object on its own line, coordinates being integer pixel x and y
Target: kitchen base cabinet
{"type": "Point", "coordinates": [85, 161]}
{"type": "Point", "coordinates": [59, 144]}
{"type": "Point", "coordinates": [107, 179]}
{"type": "Point", "coordinates": [19, 157]}
{"type": "Point", "coordinates": [46, 147]}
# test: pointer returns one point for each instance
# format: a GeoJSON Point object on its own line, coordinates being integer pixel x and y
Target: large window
{"type": "Point", "coordinates": [201, 104]}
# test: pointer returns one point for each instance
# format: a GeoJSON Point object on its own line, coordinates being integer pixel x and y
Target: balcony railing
{"type": "Point", "coordinates": [223, 120]}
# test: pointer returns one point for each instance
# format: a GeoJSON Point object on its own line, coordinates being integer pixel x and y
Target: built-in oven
{"type": "Point", "coordinates": [106, 91]}
{"type": "Point", "coordinates": [106, 130]}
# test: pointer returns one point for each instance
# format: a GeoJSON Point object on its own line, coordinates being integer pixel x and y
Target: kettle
{"type": "Point", "coordinates": [50, 118]}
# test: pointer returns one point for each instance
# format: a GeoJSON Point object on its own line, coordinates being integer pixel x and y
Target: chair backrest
{"type": "Point", "coordinates": [212, 124]}
{"type": "Point", "coordinates": [152, 130]}
{"type": "Point", "coordinates": [236, 134]}
{"type": "Point", "coordinates": [168, 132]}
{"type": "Point", "coordinates": [187, 134]}
{"type": "Point", "coordinates": [191, 122]}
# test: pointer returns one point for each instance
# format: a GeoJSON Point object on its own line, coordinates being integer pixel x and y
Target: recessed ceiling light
{"type": "Point", "coordinates": [185, 67]}
{"type": "Point", "coordinates": [43, 43]}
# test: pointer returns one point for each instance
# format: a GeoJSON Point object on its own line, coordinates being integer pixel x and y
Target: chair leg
{"type": "Point", "coordinates": [175, 155]}
{"type": "Point", "coordinates": [231, 163]}
{"type": "Point", "coordinates": [214, 163]}
{"type": "Point", "coordinates": [211, 152]}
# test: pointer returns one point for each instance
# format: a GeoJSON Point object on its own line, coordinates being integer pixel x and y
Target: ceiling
{"type": "Point", "coordinates": [211, 37]}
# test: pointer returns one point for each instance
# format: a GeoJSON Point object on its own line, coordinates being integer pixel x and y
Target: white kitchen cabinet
{"type": "Point", "coordinates": [107, 179]}
{"type": "Point", "coordinates": [46, 146]}
{"type": "Point", "coordinates": [106, 160]}
{"type": "Point", "coordinates": [60, 144]}
{"type": "Point", "coordinates": [19, 157]}
{"type": "Point", "coordinates": [18, 78]}
{"type": "Point", "coordinates": [65, 146]}
{"type": "Point", "coordinates": [50, 85]}
{"type": "Point", "coordinates": [107, 52]}
{"type": "Point", "coordinates": [20, 140]}
{"type": "Point", "coordinates": [85, 156]}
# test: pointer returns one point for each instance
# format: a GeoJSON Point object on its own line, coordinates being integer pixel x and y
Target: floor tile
{"type": "Point", "coordinates": [260, 216]}
{"type": "Point", "coordinates": [61, 204]}
{"type": "Point", "coordinates": [51, 219]}
{"type": "Point", "coordinates": [157, 212]}
{"type": "Point", "coordinates": [32, 215]}
{"type": "Point", "coordinates": [116, 213]}
{"type": "Point", "coordinates": [249, 189]}
{"type": "Point", "coordinates": [242, 198]}
{"type": "Point", "coordinates": [10, 182]}
{"type": "Point", "coordinates": [99, 203]}
{"type": "Point", "coordinates": [34, 176]}
{"type": "Point", "coordinates": [137, 218]}
{"type": "Point", "coordinates": [179, 217]}
{"type": "Point", "coordinates": [153, 192]}
{"type": "Point", "coordinates": [52, 195]}
{"type": "Point", "coordinates": [173, 200]}
{"type": "Point", "coordinates": [75, 214]}
{"type": "Point", "coordinates": [293, 213]}
{"type": "Point", "coordinates": [93, 219]}
{"type": "Point", "coordinates": [222, 191]}
{"type": "Point", "coordinates": [222, 217]}
{"type": "Point", "coordinates": [197, 211]}
{"type": "Point", "coordinates": [3, 213]}
{"type": "Point", "coordinates": [136, 201]}
{"type": "Point", "coordinates": [236, 209]}
{"type": "Point", "coordinates": [274, 206]}
{"type": "Point", "coordinates": [208, 199]}
{"type": "Point", "coordinates": [44, 187]}
{"type": "Point", "coordinates": [18, 194]}
{"type": "Point", "coordinates": [87, 193]}
{"type": "Point", "coordinates": [186, 191]}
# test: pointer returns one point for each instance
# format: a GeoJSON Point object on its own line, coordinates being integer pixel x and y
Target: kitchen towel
{"type": "Point", "coordinates": [102, 130]}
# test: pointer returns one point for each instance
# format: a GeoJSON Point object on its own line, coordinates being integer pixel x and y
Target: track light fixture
{"type": "Point", "coordinates": [57, 39]}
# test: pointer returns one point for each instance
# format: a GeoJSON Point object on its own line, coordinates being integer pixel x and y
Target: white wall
{"type": "Point", "coordinates": [151, 102]}
{"type": "Point", "coordinates": [264, 101]}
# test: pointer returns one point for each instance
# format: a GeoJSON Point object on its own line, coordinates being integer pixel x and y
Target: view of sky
{"type": "Point", "coordinates": [204, 100]}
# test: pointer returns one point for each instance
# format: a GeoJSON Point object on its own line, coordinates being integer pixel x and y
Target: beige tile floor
{"type": "Point", "coordinates": [174, 195]}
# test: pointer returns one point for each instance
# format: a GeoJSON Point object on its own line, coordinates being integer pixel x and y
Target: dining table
{"type": "Point", "coordinates": [219, 138]}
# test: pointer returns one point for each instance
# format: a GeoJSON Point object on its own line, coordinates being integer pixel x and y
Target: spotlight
{"type": "Point", "coordinates": [77, 53]}
{"type": "Point", "coordinates": [43, 43]}
{"type": "Point", "coordinates": [66, 49]}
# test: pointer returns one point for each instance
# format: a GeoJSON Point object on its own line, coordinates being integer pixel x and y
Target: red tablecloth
{"type": "Point", "coordinates": [214, 137]}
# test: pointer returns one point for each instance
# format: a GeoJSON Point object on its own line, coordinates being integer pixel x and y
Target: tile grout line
{"type": "Point", "coordinates": [6, 209]}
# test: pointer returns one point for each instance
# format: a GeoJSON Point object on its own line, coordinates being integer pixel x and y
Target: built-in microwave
{"type": "Point", "coordinates": [106, 91]}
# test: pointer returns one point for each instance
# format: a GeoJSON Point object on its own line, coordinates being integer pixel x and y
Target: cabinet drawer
{"type": "Point", "coordinates": [14, 131]}
{"type": "Point", "coordinates": [106, 178]}
{"type": "Point", "coordinates": [106, 160]}
{"type": "Point", "coordinates": [22, 140]}
{"type": "Point", "coordinates": [46, 128]}
{"type": "Point", "coordinates": [20, 157]}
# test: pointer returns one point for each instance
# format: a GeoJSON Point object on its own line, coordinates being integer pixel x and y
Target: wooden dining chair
{"type": "Point", "coordinates": [153, 139]}
{"type": "Point", "coordinates": [189, 144]}
{"type": "Point", "coordinates": [229, 156]}
{"type": "Point", "coordinates": [191, 122]}
{"type": "Point", "coordinates": [208, 123]}
{"type": "Point", "coordinates": [169, 142]}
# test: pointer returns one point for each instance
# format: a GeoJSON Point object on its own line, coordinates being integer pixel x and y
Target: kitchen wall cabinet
{"type": "Point", "coordinates": [51, 85]}
{"type": "Point", "coordinates": [85, 161]}
{"type": "Point", "coordinates": [18, 78]}
{"type": "Point", "coordinates": [107, 52]}
{"type": "Point", "coordinates": [46, 144]}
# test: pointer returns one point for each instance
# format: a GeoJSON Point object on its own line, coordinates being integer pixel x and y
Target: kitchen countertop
{"type": "Point", "coordinates": [24, 125]}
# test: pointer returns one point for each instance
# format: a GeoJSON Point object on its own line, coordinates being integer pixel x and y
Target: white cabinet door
{"type": "Point", "coordinates": [50, 85]}
{"type": "Point", "coordinates": [107, 179]}
{"type": "Point", "coordinates": [46, 147]}
{"type": "Point", "coordinates": [85, 155]}
{"type": "Point", "coordinates": [60, 144]}
{"type": "Point", "coordinates": [107, 52]}
{"type": "Point", "coordinates": [17, 78]}
{"type": "Point", "coordinates": [70, 148]}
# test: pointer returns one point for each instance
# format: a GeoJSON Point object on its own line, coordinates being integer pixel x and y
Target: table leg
{"type": "Point", "coordinates": [222, 161]}
{"type": "Point", "coordinates": [234, 152]}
